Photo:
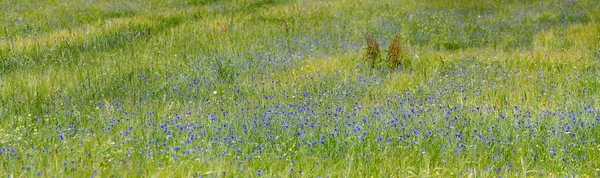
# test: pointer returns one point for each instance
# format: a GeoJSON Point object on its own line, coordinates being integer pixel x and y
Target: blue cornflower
{"type": "Point", "coordinates": [259, 172]}
{"type": "Point", "coordinates": [356, 128]}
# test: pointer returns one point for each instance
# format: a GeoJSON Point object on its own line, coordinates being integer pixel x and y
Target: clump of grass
{"type": "Point", "coordinates": [224, 70]}
{"type": "Point", "coordinates": [372, 54]}
{"type": "Point", "coordinates": [395, 53]}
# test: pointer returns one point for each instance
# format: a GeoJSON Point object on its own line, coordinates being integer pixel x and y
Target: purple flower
{"type": "Point", "coordinates": [356, 128]}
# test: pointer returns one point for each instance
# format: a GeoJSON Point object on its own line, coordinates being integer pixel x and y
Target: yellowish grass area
{"type": "Point", "coordinates": [302, 10]}
{"type": "Point", "coordinates": [581, 37]}
{"type": "Point", "coordinates": [399, 81]}
{"type": "Point", "coordinates": [293, 79]}
{"type": "Point", "coordinates": [328, 65]}
{"type": "Point", "coordinates": [44, 83]}
{"type": "Point", "coordinates": [21, 44]}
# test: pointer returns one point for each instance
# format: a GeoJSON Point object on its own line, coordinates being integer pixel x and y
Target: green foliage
{"type": "Point", "coordinates": [116, 88]}
{"type": "Point", "coordinates": [225, 70]}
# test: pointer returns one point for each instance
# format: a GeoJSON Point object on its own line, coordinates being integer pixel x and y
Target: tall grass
{"type": "Point", "coordinates": [280, 88]}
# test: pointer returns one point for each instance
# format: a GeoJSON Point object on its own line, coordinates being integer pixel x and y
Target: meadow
{"type": "Point", "coordinates": [285, 88]}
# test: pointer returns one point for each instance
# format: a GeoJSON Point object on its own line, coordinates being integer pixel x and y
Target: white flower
{"type": "Point", "coordinates": [214, 92]}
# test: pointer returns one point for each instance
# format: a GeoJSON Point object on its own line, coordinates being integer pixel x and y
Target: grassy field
{"type": "Point", "coordinates": [283, 88]}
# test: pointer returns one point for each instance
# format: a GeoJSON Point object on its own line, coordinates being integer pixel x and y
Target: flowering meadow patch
{"type": "Point", "coordinates": [267, 88]}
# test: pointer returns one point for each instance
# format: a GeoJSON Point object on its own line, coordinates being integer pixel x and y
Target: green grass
{"type": "Point", "coordinates": [227, 88]}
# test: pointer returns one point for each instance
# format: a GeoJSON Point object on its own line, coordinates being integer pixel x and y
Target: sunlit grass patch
{"type": "Point", "coordinates": [65, 46]}
{"type": "Point", "coordinates": [399, 82]}
{"type": "Point", "coordinates": [23, 44]}
{"type": "Point", "coordinates": [329, 65]}
{"type": "Point", "coordinates": [301, 12]}
{"type": "Point", "coordinates": [580, 37]}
